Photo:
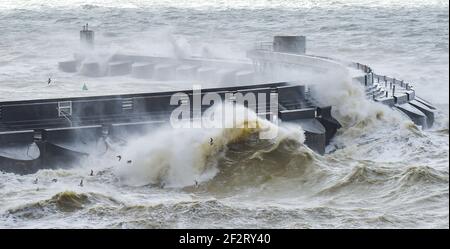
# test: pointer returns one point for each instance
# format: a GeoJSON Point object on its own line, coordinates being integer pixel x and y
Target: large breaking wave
{"type": "Point", "coordinates": [179, 157]}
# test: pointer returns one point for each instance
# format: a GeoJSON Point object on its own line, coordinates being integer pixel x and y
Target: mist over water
{"type": "Point", "coordinates": [380, 170]}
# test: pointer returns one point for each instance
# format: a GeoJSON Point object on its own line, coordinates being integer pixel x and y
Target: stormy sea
{"type": "Point", "coordinates": [379, 171]}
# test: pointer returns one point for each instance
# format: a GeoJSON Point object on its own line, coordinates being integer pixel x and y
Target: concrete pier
{"type": "Point", "coordinates": [226, 76]}
{"type": "Point", "coordinates": [288, 52]}
{"type": "Point", "coordinates": [68, 66]}
{"type": "Point", "coordinates": [186, 72]}
{"type": "Point", "coordinates": [418, 117]}
{"type": "Point", "coordinates": [206, 73]}
{"type": "Point", "coordinates": [91, 69]}
{"type": "Point", "coordinates": [164, 72]}
{"type": "Point", "coordinates": [119, 68]}
{"type": "Point", "coordinates": [425, 110]}
{"type": "Point", "coordinates": [63, 128]}
{"type": "Point", "coordinates": [244, 76]}
{"type": "Point", "coordinates": [142, 70]}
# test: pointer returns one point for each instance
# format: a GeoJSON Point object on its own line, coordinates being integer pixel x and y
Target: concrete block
{"type": "Point", "coordinates": [91, 69]}
{"type": "Point", "coordinates": [164, 72]}
{"type": "Point", "coordinates": [244, 76]}
{"type": "Point", "coordinates": [226, 76]}
{"type": "Point", "coordinates": [400, 97]}
{"type": "Point", "coordinates": [142, 70]}
{"type": "Point", "coordinates": [68, 66]}
{"type": "Point", "coordinates": [119, 68]}
{"type": "Point", "coordinates": [186, 72]}
{"type": "Point", "coordinates": [206, 73]}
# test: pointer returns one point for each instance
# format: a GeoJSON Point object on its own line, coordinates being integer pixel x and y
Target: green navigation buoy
{"type": "Point", "coordinates": [85, 87]}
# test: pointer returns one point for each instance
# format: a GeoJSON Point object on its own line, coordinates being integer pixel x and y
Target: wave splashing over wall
{"type": "Point", "coordinates": [179, 157]}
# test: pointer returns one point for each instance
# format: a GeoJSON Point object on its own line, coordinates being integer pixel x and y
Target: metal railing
{"type": "Point", "coordinates": [388, 81]}
{"type": "Point", "coordinates": [369, 78]}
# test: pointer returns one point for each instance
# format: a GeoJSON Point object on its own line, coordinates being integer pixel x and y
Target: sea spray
{"type": "Point", "coordinates": [178, 157]}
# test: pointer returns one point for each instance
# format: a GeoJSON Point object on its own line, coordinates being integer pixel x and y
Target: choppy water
{"type": "Point", "coordinates": [381, 171]}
